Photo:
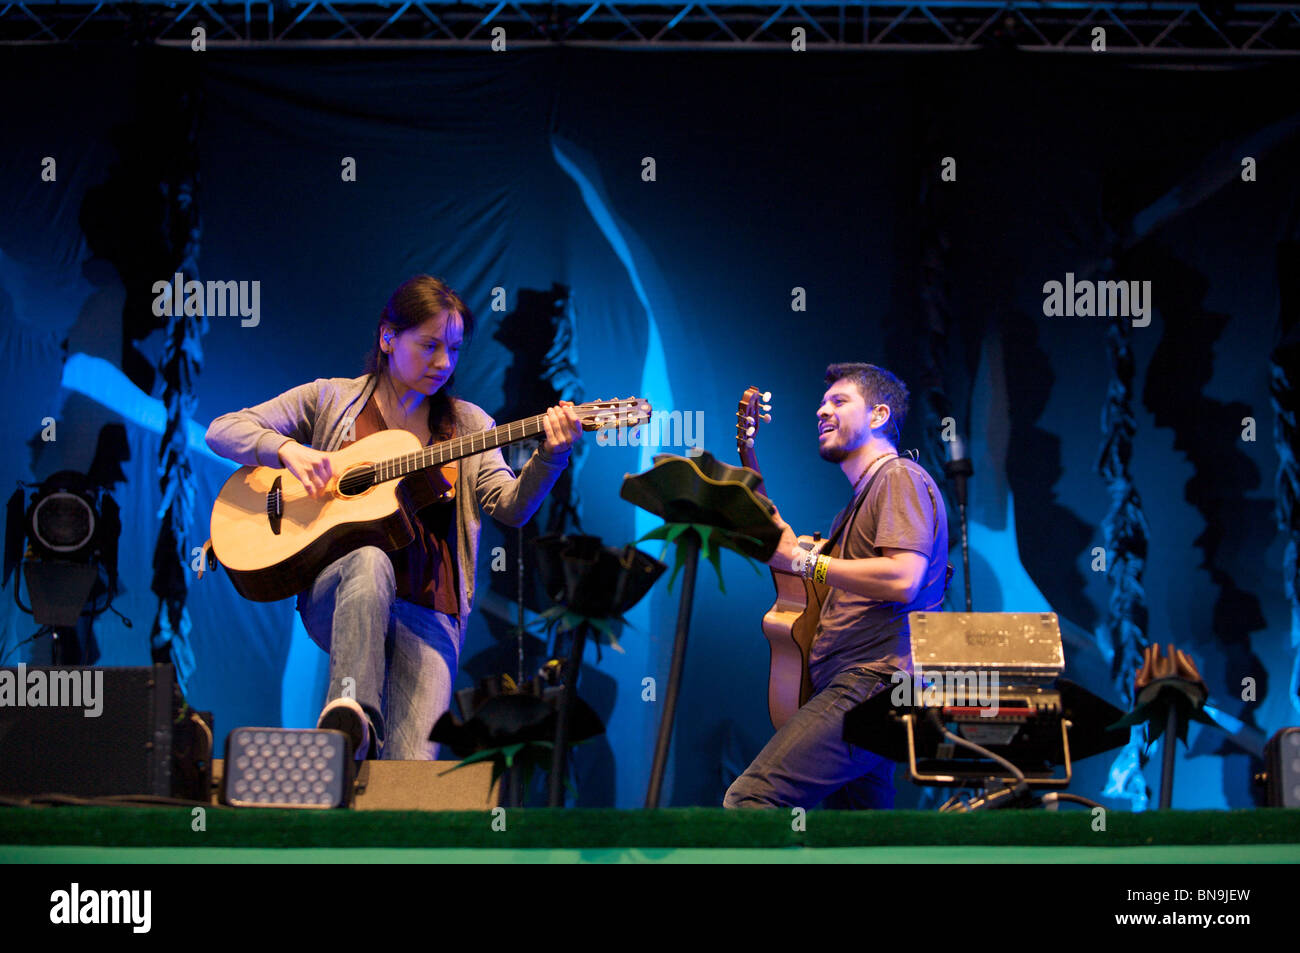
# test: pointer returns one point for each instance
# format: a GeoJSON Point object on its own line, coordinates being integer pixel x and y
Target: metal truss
{"type": "Point", "coordinates": [1202, 29]}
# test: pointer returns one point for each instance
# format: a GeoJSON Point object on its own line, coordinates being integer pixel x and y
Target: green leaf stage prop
{"type": "Point", "coordinates": [706, 505]}
{"type": "Point", "coordinates": [593, 585]}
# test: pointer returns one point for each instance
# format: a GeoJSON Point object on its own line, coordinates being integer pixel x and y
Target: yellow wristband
{"type": "Point", "coordinates": [823, 562]}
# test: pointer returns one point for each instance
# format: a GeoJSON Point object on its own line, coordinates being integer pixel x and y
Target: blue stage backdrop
{"type": "Point", "coordinates": [721, 220]}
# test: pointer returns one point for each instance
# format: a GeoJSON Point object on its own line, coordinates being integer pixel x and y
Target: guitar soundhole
{"type": "Point", "coordinates": [356, 481]}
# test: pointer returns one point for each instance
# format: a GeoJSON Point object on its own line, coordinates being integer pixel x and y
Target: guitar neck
{"type": "Point", "coordinates": [750, 413]}
{"type": "Point", "coordinates": [750, 459]}
{"type": "Point", "coordinates": [456, 448]}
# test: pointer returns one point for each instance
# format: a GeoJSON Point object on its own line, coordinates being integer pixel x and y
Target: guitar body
{"type": "Point", "coordinates": [790, 627]}
{"type": "Point", "coordinates": [791, 624]}
{"type": "Point", "coordinates": [274, 538]}
{"type": "Point", "coordinates": [265, 565]}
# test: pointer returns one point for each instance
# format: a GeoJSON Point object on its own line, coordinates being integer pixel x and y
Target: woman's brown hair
{"type": "Point", "coordinates": [415, 301]}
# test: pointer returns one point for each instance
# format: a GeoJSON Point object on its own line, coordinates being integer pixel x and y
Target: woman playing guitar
{"type": "Point", "coordinates": [394, 622]}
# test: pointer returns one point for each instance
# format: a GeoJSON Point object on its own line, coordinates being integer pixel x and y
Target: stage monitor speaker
{"type": "Point", "coordinates": [1282, 758]}
{"type": "Point", "coordinates": [418, 786]}
{"type": "Point", "coordinates": [91, 732]}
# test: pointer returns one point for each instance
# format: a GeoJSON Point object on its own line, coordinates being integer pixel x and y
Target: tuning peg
{"type": "Point", "coordinates": [749, 431]}
{"type": "Point", "coordinates": [749, 442]}
{"type": "Point", "coordinates": [765, 407]}
{"type": "Point", "coordinates": [766, 418]}
{"type": "Point", "coordinates": [767, 395]}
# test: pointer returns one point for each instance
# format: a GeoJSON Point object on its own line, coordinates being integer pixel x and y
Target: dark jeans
{"type": "Point", "coordinates": [808, 762]}
{"type": "Point", "coordinates": [396, 658]}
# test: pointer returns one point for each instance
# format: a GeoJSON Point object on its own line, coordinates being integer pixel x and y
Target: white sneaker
{"type": "Point", "coordinates": [347, 715]}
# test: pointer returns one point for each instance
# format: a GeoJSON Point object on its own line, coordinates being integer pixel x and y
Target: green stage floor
{"type": "Point", "coordinates": [120, 834]}
{"type": "Point", "coordinates": [1183, 854]}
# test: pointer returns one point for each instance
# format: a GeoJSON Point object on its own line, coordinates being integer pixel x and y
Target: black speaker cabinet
{"type": "Point", "coordinates": [93, 732]}
{"type": "Point", "coordinates": [1282, 758]}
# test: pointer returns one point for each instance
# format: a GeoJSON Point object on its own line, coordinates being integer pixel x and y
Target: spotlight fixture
{"type": "Point", "coordinates": [64, 538]}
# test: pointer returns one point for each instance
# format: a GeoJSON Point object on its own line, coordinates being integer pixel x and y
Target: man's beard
{"type": "Point", "coordinates": [836, 453]}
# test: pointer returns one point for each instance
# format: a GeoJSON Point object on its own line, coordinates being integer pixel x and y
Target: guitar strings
{"type": "Point", "coordinates": [363, 477]}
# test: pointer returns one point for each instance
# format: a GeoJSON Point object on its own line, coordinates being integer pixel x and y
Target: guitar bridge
{"type": "Point", "coordinates": [275, 506]}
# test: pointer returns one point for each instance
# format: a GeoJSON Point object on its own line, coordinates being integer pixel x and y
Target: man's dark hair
{"type": "Point", "coordinates": [877, 386]}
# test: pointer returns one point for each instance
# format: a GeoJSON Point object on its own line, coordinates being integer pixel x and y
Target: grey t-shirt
{"type": "Point", "coordinates": [903, 509]}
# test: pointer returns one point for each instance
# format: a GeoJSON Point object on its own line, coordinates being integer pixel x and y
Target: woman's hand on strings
{"type": "Point", "coordinates": [311, 467]}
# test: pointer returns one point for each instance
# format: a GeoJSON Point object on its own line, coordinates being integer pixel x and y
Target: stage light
{"type": "Point", "coordinates": [280, 767]}
{"type": "Point", "coordinates": [65, 538]}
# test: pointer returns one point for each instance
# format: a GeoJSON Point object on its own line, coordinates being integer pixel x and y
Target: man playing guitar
{"type": "Point", "coordinates": [887, 556]}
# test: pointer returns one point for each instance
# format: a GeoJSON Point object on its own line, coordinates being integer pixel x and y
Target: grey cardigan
{"type": "Point", "coordinates": [317, 415]}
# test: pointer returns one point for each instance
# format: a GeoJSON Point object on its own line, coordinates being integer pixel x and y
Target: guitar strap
{"type": "Point", "coordinates": [857, 505]}
{"type": "Point", "coordinates": [209, 560]}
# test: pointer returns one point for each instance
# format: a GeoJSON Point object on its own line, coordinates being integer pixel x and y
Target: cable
{"type": "Point", "coordinates": [933, 716]}
{"type": "Point", "coordinates": [114, 800]}
{"type": "Point", "coordinates": [1055, 796]}
{"type": "Point", "coordinates": [994, 797]}
{"type": "Point", "coordinates": [43, 630]}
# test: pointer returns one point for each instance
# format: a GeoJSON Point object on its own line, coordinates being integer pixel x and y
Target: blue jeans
{"type": "Point", "coordinates": [400, 658]}
{"type": "Point", "coordinates": [808, 762]}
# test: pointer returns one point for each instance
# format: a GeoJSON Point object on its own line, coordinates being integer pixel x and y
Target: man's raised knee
{"type": "Point", "coordinates": [743, 794]}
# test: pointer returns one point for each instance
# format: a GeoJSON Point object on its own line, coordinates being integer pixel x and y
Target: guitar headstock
{"type": "Point", "coordinates": [752, 412]}
{"type": "Point", "coordinates": [603, 414]}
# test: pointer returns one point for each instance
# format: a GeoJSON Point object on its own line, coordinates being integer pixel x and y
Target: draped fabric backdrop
{"type": "Point", "coordinates": [509, 173]}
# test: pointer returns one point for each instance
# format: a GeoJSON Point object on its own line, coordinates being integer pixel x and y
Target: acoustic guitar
{"type": "Point", "coordinates": [791, 624]}
{"type": "Point", "coordinates": [274, 538]}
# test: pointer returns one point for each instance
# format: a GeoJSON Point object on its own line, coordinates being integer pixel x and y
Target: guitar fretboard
{"type": "Point", "coordinates": [454, 449]}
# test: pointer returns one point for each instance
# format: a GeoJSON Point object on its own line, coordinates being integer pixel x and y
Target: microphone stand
{"type": "Point", "coordinates": [958, 469]}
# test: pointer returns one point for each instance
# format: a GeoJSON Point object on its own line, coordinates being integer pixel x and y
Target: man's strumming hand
{"type": "Point", "coordinates": [789, 545]}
